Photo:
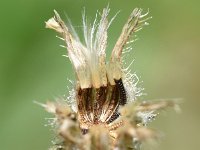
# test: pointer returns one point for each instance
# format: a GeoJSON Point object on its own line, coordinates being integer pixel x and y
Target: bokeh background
{"type": "Point", "coordinates": [32, 68]}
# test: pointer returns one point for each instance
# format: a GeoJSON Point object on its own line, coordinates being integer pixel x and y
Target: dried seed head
{"type": "Point", "coordinates": [106, 115]}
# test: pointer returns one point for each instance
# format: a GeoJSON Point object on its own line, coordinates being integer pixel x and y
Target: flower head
{"type": "Point", "coordinates": [106, 115]}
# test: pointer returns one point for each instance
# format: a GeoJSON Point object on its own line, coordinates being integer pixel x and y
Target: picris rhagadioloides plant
{"type": "Point", "coordinates": [102, 111]}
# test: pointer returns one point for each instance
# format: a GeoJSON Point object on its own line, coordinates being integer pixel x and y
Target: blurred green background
{"type": "Point", "coordinates": [32, 68]}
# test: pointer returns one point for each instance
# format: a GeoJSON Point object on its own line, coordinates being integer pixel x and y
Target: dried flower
{"type": "Point", "coordinates": [102, 111]}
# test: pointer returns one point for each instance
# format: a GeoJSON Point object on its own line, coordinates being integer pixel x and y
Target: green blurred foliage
{"type": "Point", "coordinates": [31, 66]}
